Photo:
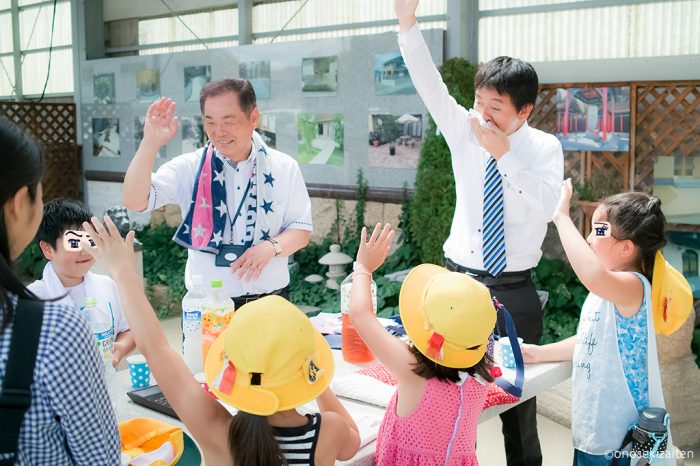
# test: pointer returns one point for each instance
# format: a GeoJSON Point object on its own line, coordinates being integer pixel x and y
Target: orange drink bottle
{"type": "Point", "coordinates": [353, 347]}
{"type": "Point", "coordinates": [217, 311]}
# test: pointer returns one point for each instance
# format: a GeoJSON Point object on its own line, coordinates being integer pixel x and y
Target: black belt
{"type": "Point", "coordinates": [241, 300]}
{"type": "Point", "coordinates": [505, 278]}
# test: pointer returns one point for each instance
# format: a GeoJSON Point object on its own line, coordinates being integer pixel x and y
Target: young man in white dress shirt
{"type": "Point", "coordinates": [255, 211]}
{"type": "Point", "coordinates": [507, 178]}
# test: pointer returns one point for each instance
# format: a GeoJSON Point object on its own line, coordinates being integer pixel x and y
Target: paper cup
{"type": "Point", "coordinates": [139, 371]}
{"type": "Point", "coordinates": [507, 358]}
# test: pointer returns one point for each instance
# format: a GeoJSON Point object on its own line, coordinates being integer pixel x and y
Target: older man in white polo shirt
{"type": "Point", "coordinates": [508, 178]}
{"type": "Point", "coordinates": [245, 206]}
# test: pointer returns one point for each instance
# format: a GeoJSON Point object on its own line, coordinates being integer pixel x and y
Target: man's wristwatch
{"type": "Point", "coordinates": [276, 246]}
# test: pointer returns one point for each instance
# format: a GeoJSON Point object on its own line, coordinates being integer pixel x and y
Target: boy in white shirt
{"type": "Point", "coordinates": [68, 272]}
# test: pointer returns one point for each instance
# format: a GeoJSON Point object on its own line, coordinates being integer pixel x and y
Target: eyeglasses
{"type": "Point", "coordinates": [73, 240]}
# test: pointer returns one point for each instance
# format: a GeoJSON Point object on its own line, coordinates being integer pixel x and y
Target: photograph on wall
{"type": "Point", "coordinates": [391, 75]}
{"type": "Point", "coordinates": [320, 139]}
{"type": "Point", "coordinates": [139, 121]}
{"type": "Point", "coordinates": [594, 118]}
{"type": "Point", "coordinates": [193, 135]}
{"type": "Point", "coordinates": [683, 253]}
{"type": "Point", "coordinates": [195, 79]}
{"type": "Point", "coordinates": [147, 85]}
{"type": "Point", "coordinates": [395, 141]}
{"type": "Point", "coordinates": [105, 137]}
{"type": "Point", "coordinates": [103, 88]}
{"type": "Point", "coordinates": [319, 76]}
{"type": "Point", "coordinates": [267, 129]}
{"type": "Point", "coordinates": [258, 73]}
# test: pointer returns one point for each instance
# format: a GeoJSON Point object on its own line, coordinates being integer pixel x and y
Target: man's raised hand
{"type": "Point", "coordinates": [161, 123]}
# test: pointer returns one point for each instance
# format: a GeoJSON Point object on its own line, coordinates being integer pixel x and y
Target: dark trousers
{"type": "Point", "coordinates": [522, 444]}
{"type": "Point", "coordinates": [242, 300]}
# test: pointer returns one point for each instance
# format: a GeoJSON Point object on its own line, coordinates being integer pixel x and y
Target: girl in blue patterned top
{"type": "Point", "coordinates": [616, 370]}
{"type": "Point", "coordinates": [70, 420]}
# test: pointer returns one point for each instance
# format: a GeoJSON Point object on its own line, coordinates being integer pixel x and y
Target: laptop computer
{"type": "Point", "coordinates": [152, 398]}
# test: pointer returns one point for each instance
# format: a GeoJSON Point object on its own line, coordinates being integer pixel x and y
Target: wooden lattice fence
{"type": "Point", "coordinates": [664, 121]}
{"type": "Point", "coordinates": [54, 126]}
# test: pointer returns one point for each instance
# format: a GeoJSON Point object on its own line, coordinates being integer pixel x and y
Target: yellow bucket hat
{"type": "Point", "coordinates": [447, 315]}
{"type": "Point", "coordinates": [269, 359]}
{"type": "Point", "coordinates": [671, 297]}
{"type": "Point", "coordinates": [147, 441]}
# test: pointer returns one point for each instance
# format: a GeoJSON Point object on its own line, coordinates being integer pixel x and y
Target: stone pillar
{"type": "Point", "coordinates": [680, 377]}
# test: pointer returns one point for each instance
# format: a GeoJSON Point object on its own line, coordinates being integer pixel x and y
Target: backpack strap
{"type": "Point", "coordinates": [16, 396]}
{"type": "Point", "coordinates": [626, 441]}
{"type": "Point", "coordinates": [515, 389]}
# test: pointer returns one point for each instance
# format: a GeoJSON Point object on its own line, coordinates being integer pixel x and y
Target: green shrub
{"type": "Point", "coordinates": [434, 203]}
{"type": "Point", "coordinates": [566, 296]}
{"type": "Point", "coordinates": [163, 264]}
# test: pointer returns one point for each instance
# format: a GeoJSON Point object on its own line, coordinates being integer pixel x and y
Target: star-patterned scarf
{"type": "Point", "coordinates": [203, 227]}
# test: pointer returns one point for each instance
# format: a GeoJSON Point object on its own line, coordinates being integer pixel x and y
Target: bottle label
{"type": "Point", "coordinates": [104, 342]}
{"type": "Point", "coordinates": [191, 320]}
{"type": "Point", "coordinates": [345, 297]}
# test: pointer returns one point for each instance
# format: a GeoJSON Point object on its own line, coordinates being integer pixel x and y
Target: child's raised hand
{"type": "Point", "coordinates": [114, 253]}
{"type": "Point", "coordinates": [373, 252]}
{"type": "Point", "coordinates": [567, 191]}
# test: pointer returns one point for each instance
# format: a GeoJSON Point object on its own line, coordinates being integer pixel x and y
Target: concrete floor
{"type": "Point", "coordinates": [555, 439]}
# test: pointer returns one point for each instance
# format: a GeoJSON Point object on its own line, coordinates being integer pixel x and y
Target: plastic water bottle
{"type": "Point", "coordinates": [102, 327]}
{"type": "Point", "coordinates": [192, 325]}
{"type": "Point", "coordinates": [217, 310]}
{"type": "Point", "coordinates": [353, 346]}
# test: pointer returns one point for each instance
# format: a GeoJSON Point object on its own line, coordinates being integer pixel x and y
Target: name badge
{"type": "Point", "coordinates": [229, 253]}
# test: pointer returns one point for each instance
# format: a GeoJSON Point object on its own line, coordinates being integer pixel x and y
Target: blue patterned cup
{"type": "Point", "coordinates": [139, 371]}
{"type": "Point", "coordinates": [507, 358]}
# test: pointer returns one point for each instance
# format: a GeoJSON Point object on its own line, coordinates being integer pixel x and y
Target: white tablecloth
{"type": "Point", "coordinates": [538, 378]}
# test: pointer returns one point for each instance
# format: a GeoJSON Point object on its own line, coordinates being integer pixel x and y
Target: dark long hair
{"type": "Point", "coordinates": [429, 369]}
{"type": "Point", "coordinates": [637, 217]}
{"type": "Point", "coordinates": [22, 163]}
{"type": "Point", "coordinates": [252, 441]}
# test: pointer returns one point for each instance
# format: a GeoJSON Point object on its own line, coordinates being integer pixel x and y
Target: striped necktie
{"type": "Point", "coordinates": [494, 244]}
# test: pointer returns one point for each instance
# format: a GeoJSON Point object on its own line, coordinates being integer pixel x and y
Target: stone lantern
{"type": "Point", "coordinates": [336, 261]}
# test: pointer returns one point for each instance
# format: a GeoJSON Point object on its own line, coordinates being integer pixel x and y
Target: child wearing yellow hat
{"type": "Point", "coordinates": [442, 377]}
{"type": "Point", "coordinates": [632, 291]}
{"type": "Point", "coordinates": [268, 362]}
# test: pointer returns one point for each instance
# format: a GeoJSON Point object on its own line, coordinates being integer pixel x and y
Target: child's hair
{"type": "Point", "coordinates": [23, 165]}
{"type": "Point", "coordinates": [511, 76]}
{"type": "Point", "coordinates": [637, 217]}
{"type": "Point", "coordinates": [251, 440]}
{"type": "Point", "coordinates": [429, 369]}
{"type": "Point", "coordinates": [60, 215]}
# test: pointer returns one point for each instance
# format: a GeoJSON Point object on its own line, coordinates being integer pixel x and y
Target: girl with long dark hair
{"type": "Point", "coordinates": [70, 419]}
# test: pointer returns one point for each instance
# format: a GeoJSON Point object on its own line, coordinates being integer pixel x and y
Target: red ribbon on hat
{"type": "Point", "coordinates": [435, 343]}
{"type": "Point", "coordinates": [227, 375]}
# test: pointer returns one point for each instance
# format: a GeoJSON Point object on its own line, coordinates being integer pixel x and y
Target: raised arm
{"type": "Point", "coordinates": [205, 418]}
{"type": "Point", "coordinates": [159, 127]}
{"type": "Point", "coordinates": [391, 351]}
{"type": "Point", "coordinates": [450, 117]}
{"type": "Point", "coordinates": [347, 433]}
{"type": "Point", "coordinates": [621, 287]}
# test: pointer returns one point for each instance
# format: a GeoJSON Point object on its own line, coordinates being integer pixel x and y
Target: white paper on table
{"type": "Point", "coordinates": [363, 388]}
{"type": "Point", "coordinates": [368, 427]}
